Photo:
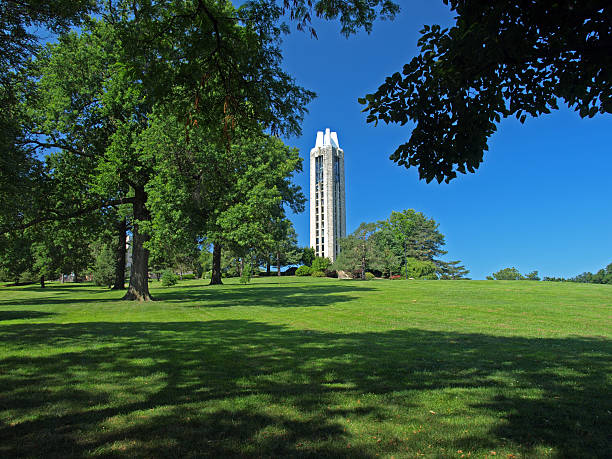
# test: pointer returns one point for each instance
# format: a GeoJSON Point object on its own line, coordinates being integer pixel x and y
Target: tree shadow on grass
{"type": "Point", "coordinates": [259, 294]}
{"type": "Point", "coordinates": [55, 287]}
{"type": "Point", "coordinates": [46, 301]}
{"type": "Point", "coordinates": [263, 295]}
{"type": "Point", "coordinates": [243, 388]}
{"type": "Point", "coordinates": [55, 294]}
{"type": "Point", "coordinates": [23, 315]}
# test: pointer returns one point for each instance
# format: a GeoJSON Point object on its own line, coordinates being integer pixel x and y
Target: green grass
{"type": "Point", "coordinates": [308, 367]}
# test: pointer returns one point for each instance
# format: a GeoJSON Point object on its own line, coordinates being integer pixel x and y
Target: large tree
{"type": "Point", "coordinates": [100, 89]}
{"type": "Point", "coordinates": [15, 256]}
{"type": "Point", "coordinates": [92, 108]}
{"type": "Point", "coordinates": [500, 59]}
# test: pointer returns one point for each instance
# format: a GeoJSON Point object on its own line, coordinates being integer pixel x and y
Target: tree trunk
{"type": "Point", "coordinates": [241, 266]}
{"type": "Point", "coordinates": [278, 264]}
{"type": "Point", "coordinates": [363, 267]}
{"type": "Point", "coordinates": [268, 266]}
{"type": "Point", "coordinates": [42, 281]}
{"type": "Point", "coordinates": [405, 261]}
{"type": "Point", "coordinates": [139, 274]}
{"type": "Point", "coordinates": [215, 277]}
{"type": "Point", "coordinates": [120, 253]}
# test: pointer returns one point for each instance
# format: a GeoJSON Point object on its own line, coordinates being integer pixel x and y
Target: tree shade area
{"type": "Point", "coordinates": [308, 367]}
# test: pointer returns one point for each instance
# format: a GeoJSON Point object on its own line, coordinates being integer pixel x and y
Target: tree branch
{"type": "Point", "coordinates": [61, 217]}
{"type": "Point", "coordinates": [75, 151]}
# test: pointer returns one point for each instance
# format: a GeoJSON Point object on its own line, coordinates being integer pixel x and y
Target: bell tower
{"type": "Point", "coordinates": [327, 197]}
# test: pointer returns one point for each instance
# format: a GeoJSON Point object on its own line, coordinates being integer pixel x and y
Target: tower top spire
{"type": "Point", "coordinates": [327, 139]}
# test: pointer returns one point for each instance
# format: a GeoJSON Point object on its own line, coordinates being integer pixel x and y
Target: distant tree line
{"type": "Point", "coordinates": [603, 276]}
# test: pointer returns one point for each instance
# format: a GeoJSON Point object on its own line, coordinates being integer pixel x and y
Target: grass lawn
{"type": "Point", "coordinates": [308, 367]}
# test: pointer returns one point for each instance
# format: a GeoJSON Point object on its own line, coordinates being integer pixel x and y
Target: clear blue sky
{"type": "Point", "coordinates": [542, 199]}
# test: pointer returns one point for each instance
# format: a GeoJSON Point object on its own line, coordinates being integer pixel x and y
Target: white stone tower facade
{"type": "Point", "coordinates": [327, 199]}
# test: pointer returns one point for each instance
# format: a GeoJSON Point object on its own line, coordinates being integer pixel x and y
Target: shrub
{"type": "Point", "coordinates": [189, 276]}
{"type": "Point", "coordinates": [304, 271]}
{"type": "Point", "coordinates": [168, 278]}
{"type": "Point", "coordinates": [420, 269]}
{"type": "Point", "coordinates": [318, 274]}
{"type": "Point", "coordinates": [321, 264]}
{"type": "Point", "coordinates": [369, 276]}
{"type": "Point", "coordinates": [28, 277]}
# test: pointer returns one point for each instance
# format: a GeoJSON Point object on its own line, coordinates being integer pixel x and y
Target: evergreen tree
{"type": "Point", "coordinates": [104, 266]}
{"type": "Point", "coordinates": [357, 250]}
{"type": "Point", "coordinates": [307, 256]}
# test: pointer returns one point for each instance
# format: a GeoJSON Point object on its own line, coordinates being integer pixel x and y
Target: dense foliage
{"type": "Point", "coordinates": [307, 256]}
{"type": "Point", "coordinates": [603, 276]}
